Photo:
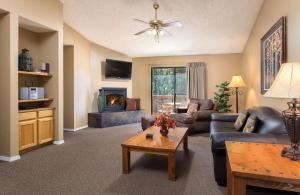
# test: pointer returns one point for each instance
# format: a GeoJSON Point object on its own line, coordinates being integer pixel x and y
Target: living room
{"type": "Point", "coordinates": [66, 142]}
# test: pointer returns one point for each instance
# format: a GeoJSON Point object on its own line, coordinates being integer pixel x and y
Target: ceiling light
{"type": "Point", "coordinates": [161, 33]}
{"type": "Point", "coordinates": [156, 26]}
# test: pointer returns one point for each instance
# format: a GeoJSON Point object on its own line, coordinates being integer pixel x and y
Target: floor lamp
{"type": "Point", "coordinates": [236, 83]}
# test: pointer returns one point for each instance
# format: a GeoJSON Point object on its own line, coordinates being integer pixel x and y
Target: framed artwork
{"type": "Point", "coordinates": [273, 53]}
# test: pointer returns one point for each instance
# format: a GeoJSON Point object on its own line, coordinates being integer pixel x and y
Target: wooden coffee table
{"type": "Point", "coordinates": [160, 145]}
{"type": "Point", "coordinates": [260, 164]}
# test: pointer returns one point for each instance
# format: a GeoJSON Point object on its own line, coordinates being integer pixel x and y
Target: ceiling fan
{"type": "Point", "coordinates": [157, 28]}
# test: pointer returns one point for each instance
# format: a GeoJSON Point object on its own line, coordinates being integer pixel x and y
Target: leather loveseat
{"type": "Point", "coordinates": [269, 129]}
{"type": "Point", "coordinates": [198, 121]}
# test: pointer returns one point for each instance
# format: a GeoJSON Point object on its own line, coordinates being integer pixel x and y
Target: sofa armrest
{"type": "Point", "coordinates": [181, 110]}
{"type": "Point", "coordinates": [218, 139]}
{"type": "Point", "coordinates": [225, 117]}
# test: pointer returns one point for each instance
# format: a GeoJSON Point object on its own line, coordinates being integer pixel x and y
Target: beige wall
{"type": "Point", "coordinates": [88, 74]}
{"type": "Point", "coordinates": [219, 68]}
{"type": "Point", "coordinates": [7, 126]}
{"type": "Point", "coordinates": [69, 87]}
{"type": "Point", "coordinates": [270, 12]}
{"type": "Point", "coordinates": [50, 14]}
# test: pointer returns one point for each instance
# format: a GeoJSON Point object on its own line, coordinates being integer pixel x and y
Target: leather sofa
{"type": "Point", "coordinates": [270, 128]}
{"type": "Point", "coordinates": [198, 121]}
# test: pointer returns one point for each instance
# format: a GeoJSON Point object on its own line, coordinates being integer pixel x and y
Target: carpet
{"type": "Point", "coordinates": [90, 163]}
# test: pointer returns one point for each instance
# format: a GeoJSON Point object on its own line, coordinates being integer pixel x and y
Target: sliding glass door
{"type": "Point", "coordinates": [169, 88]}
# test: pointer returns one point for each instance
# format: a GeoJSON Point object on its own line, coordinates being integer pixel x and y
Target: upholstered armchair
{"type": "Point", "coordinates": [196, 116]}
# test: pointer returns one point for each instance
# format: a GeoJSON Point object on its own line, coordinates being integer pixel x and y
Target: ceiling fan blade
{"type": "Point", "coordinates": [172, 24]}
{"type": "Point", "coordinates": [143, 31]}
{"type": "Point", "coordinates": [170, 34]}
{"type": "Point", "coordinates": [142, 21]}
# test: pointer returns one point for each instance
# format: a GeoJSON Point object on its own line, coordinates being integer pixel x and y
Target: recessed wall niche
{"type": "Point", "coordinates": [42, 43]}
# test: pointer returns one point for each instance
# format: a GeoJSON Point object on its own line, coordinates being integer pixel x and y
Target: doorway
{"type": "Point", "coordinates": [169, 87]}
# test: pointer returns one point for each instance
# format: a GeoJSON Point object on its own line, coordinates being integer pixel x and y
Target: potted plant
{"type": "Point", "coordinates": [222, 97]}
{"type": "Point", "coordinates": [164, 121]}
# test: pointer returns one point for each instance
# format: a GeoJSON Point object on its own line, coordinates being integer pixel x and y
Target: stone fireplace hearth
{"type": "Point", "coordinates": [112, 99]}
{"type": "Point", "coordinates": [111, 106]}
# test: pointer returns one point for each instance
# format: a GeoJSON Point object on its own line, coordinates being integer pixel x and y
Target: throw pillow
{"type": "Point", "coordinates": [240, 121]}
{"type": "Point", "coordinates": [130, 104]}
{"type": "Point", "coordinates": [193, 107]}
{"type": "Point", "coordinates": [250, 125]}
{"type": "Point", "coordinates": [137, 101]}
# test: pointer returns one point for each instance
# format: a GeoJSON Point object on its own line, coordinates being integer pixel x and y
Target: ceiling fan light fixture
{"type": "Point", "coordinates": [153, 31]}
{"type": "Point", "coordinates": [161, 33]}
{"type": "Point", "coordinates": [157, 27]}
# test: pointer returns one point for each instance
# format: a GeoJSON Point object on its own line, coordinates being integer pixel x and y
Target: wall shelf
{"type": "Point", "coordinates": [36, 100]}
{"type": "Point", "coordinates": [41, 74]}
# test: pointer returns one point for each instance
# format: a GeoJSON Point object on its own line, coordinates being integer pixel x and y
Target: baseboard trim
{"type": "Point", "coordinates": [59, 142]}
{"type": "Point", "coordinates": [10, 159]}
{"type": "Point", "coordinates": [76, 129]}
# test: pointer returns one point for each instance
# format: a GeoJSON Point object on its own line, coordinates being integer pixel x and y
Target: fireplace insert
{"type": "Point", "coordinates": [112, 99]}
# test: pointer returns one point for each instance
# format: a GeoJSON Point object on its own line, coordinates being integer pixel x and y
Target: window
{"type": "Point", "coordinates": [169, 88]}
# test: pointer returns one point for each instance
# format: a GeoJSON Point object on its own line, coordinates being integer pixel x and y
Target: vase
{"type": "Point", "coordinates": [164, 130]}
{"type": "Point", "coordinates": [25, 60]}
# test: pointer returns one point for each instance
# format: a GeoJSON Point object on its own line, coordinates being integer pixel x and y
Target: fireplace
{"type": "Point", "coordinates": [112, 99]}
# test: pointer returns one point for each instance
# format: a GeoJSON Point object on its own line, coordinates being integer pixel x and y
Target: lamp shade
{"type": "Point", "coordinates": [287, 82]}
{"type": "Point", "coordinates": [237, 81]}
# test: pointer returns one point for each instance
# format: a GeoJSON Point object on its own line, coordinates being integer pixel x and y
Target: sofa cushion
{"type": "Point", "coordinates": [240, 121]}
{"type": "Point", "coordinates": [268, 120]}
{"type": "Point", "coordinates": [203, 115]}
{"type": "Point", "coordinates": [250, 124]}
{"type": "Point", "coordinates": [225, 117]}
{"type": "Point", "coordinates": [218, 126]}
{"type": "Point", "coordinates": [183, 118]}
{"type": "Point", "coordinates": [206, 104]}
{"type": "Point", "coordinates": [218, 139]}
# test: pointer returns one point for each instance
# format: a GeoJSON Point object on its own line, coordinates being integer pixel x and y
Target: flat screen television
{"type": "Point", "coordinates": [118, 69]}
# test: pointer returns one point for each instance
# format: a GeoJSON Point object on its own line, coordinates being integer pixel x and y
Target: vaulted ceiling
{"type": "Point", "coordinates": [209, 26]}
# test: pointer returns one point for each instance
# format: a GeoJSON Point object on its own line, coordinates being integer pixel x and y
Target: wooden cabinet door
{"type": "Point", "coordinates": [27, 134]}
{"type": "Point", "coordinates": [45, 130]}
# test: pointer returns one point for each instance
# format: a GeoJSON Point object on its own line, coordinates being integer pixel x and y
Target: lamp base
{"type": "Point", "coordinates": [292, 152]}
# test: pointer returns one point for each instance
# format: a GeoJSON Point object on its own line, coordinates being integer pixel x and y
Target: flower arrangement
{"type": "Point", "coordinates": [164, 121]}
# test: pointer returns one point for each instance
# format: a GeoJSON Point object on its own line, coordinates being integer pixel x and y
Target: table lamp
{"type": "Point", "coordinates": [237, 82]}
{"type": "Point", "coordinates": [287, 85]}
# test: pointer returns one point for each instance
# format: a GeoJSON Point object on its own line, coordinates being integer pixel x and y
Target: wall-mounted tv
{"type": "Point", "coordinates": [118, 69]}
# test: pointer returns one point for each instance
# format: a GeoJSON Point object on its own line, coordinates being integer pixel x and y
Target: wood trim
{"type": "Point", "coordinates": [248, 163]}
{"type": "Point", "coordinates": [22, 137]}
{"type": "Point", "coordinates": [36, 109]}
{"type": "Point", "coordinates": [36, 100]}
{"type": "Point", "coordinates": [27, 116]}
{"type": "Point", "coordinates": [45, 113]}
{"type": "Point", "coordinates": [125, 159]}
{"type": "Point", "coordinates": [40, 74]}
{"type": "Point", "coordinates": [139, 143]}
{"type": "Point", "coordinates": [45, 130]}
{"type": "Point", "coordinates": [172, 166]}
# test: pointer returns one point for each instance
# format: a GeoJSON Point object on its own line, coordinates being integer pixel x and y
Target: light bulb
{"type": "Point", "coordinates": [161, 33]}
{"type": "Point", "coordinates": [153, 32]}
{"type": "Point", "coordinates": [149, 32]}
